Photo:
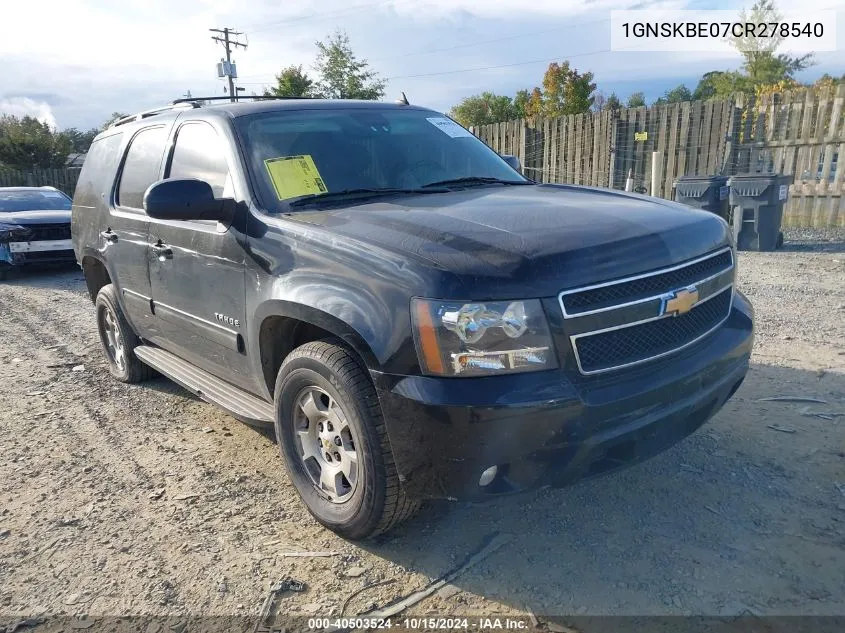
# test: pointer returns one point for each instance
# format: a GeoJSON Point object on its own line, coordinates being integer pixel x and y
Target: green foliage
{"type": "Point", "coordinates": [80, 141]}
{"type": "Point", "coordinates": [719, 84]}
{"type": "Point", "coordinates": [566, 91]}
{"type": "Point", "coordinates": [27, 142]}
{"type": "Point", "coordinates": [613, 103]}
{"type": "Point", "coordinates": [520, 102]}
{"type": "Point", "coordinates": [678, 94]}
{"type": "Point", "coordinates": [114, 117]}
{"type": "Point", "coordinates": [636, 100]}
{"type": "Point", "coordinates": [341, 74]}
{"type": "Point", "coordinates": [762, 65]}
{"type": "Point", "coordinates": [483, 109]}
{"type": "Point", "coordinates": [828, 81]}
{"type": "Point", "coordinates": [291, 82]}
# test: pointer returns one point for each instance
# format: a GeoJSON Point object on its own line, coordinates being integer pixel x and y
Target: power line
{"type": "Point", "coordinates": [228, 44]}
{"type": "Point", "coordinates": [545, 60]}
{"type": "Point", "coordinates": [496, 39]}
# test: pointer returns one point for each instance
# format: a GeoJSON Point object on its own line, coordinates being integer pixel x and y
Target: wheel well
{"type": "Point", "coordinates": [278, 337]}
{"type": "Point", "coordinates": [96, 276]}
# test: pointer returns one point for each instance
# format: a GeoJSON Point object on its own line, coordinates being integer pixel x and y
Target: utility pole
{"type": "Point", "coordinates": [228, 44]}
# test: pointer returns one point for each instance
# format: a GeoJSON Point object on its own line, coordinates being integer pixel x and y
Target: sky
{"type": "Point", "coordinates": [72, 63]}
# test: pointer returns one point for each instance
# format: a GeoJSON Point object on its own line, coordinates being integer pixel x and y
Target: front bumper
{"type": "Point", "coordinates": [552, 428]}
{"type": "Point", "coordinates": [46, 252]}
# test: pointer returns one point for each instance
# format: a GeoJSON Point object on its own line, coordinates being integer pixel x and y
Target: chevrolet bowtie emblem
{"type": "Point", "coordinates": [679, 301]}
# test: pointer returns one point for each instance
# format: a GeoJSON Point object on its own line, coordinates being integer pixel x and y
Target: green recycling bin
{"type": "Point", "coordinates": [709, 193]}
{"type": "Point", "coordinates": [757, 202]}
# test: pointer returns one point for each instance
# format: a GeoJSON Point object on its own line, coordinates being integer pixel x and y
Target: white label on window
{"type": "Point", "coordinates": [448, 126]}
{"type": "Point", "coordinates": [784, 189]}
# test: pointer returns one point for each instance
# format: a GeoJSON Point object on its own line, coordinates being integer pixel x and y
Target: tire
{"type": "Point", "coordinates": [347, 406]}
{"type": "Point", "coordinates": [118, 339]}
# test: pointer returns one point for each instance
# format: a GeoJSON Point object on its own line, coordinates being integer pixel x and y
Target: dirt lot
{"type": "Point", "coordinates": [122, 499]}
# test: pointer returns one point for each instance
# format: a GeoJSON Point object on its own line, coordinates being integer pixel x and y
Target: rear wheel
{"type": "Point", "coordinates": [334, 442]}
{"type": "Point", "coordinates": [118, 339]}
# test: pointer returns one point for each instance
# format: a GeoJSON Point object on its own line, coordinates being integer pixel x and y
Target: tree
{"type": "Point", "coordinates": [828, 81]}
{"type": "Point", "coordinates": [520, 101]}
{"type": "Point", "coordinates": [678, 94]}
{"type": "Point", "coordinates": [613, 103]}
{"type": "Point", "coordinates": [483, 109]}
{"type": "Point", "coordinates": [566, 91]}
{"type": "Point", "coordinates": [717, 83]}
{"type": "Point", "coordinates": [636, 100]}
{"type": "Point", "coordinates": [80, 141]}
{"type": "Point", "coordinates": [603, 103]}
{"type": "Point", "coordinates": [534, 106]}
{"type": "Point", "coordinates": [342, 75]}
{"type": "Point", "coordinates": [761, 63]}
{"type": "Point", "coordinates": [114, 117]}
{"type": "Point", "coordinates": [27, 142]}
{"type": "Point", "coordinates": [291, 82]}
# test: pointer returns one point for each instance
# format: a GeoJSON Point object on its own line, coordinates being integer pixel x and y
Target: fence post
{"type": "Point", "coordinates": [656, 171]}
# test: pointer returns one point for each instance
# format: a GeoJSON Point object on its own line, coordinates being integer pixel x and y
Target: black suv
{"type": "Point", "coordinates": [416, 318]}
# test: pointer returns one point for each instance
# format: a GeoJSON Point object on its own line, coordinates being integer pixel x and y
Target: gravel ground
{"type": "Point", "coordinates": [120, 499]}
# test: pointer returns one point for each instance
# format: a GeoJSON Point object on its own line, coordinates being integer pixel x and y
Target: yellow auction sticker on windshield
{"type": "Point", "coordinates": [294, 176]}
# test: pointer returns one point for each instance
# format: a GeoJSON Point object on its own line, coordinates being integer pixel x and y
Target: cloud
{"type": "Point", "coordinates": [24, 106]}
{"type": "Point", "coordinates": [93, 57]}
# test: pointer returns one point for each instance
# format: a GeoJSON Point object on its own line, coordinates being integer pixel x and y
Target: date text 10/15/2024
{"type": "Point", "coordinates": [428, 623]}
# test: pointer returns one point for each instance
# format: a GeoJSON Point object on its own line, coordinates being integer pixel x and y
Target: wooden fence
{"type": "Point", "coordinates": [63, 179]}
{"type": "Point", "coordinates": [801, 134]}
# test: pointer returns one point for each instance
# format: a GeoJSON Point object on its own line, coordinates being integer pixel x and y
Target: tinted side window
{"type": "Point", "coordinates": [141, 167]}
{"type": "Point", "coordinates": [98, 170]}
{"type": "Point", "coordinates": [199, 153]}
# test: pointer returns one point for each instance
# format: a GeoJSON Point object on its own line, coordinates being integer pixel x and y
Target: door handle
{"type": "Point", "coordinates": [109, 236]}
{"type": "Point", "coordinates": [162, 251]}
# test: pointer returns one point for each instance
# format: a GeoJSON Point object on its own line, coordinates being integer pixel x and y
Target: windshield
{"type": "Point", "coordinates": [310, 152]}
{"type": "Point", "coordinates": [33, 200]}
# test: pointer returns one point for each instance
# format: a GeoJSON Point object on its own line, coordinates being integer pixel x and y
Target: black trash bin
{"type": "Point", "coordinates": [757, 202]}
{"type": "Point", "coordinates": [709, 193]}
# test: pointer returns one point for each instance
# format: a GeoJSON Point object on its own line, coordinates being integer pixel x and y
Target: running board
{"type": "Point", "coordinates": [236, 401]}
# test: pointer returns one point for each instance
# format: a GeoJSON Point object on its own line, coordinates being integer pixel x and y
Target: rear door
{"type": "Point", "coordinates": [124, 239]}
{"type": "Point", "coordinates": [197, 267]}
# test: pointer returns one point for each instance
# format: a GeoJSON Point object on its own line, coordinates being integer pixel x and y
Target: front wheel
{"type": "Point", "coordinates": [334, 442]}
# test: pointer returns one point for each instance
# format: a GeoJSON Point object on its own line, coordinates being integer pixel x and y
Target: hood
{"type": "Point", "coordinates": [24, 218]}
{"type": "Point", "coordinates": [530, 240]}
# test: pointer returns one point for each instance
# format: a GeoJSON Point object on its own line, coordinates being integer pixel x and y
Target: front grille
{"type": "Point", "coordinates": [42, 232]}
{"type": "Point", "coordinates": [638, 343]}
{"type": "Point", "coordinates": [624, 291]}
{"type": "Point", "coordinates": [44, 256]}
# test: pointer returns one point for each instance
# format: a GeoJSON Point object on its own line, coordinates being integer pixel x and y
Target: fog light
{"type": "Point", "coordinates": [488, 476]}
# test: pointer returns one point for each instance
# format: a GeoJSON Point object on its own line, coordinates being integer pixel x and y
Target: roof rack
{"type": "Point", "coordinates": [197, 100]}
{"type": "Point", "coordinates": [191, 102]}
{"type": "Point", "coordinates": [147, 113]}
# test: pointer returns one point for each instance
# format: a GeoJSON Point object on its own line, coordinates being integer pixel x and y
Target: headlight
{"type": "Point", "coordinates": [482, 338]}
{"type": "Point", "coordinates": [11, 232]}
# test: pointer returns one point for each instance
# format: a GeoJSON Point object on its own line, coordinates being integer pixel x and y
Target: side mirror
{"type": "Point", "coordinates": [513, 161]}
{"type": "Point", "coordinates": [185, 200]}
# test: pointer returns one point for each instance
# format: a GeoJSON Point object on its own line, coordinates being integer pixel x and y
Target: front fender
{"type": "Point", "coordinates": [360, 338]}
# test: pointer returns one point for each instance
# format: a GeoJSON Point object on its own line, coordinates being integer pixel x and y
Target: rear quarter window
{"type": "Point", "coordinates": [141, 167]}
{"type": "Point", "coordinates": [98, 170]}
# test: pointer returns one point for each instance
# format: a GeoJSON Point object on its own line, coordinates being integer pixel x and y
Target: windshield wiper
{"type": "Point", "coordinates": [346, 194]}
{"type": "Point", "coordinates": [475, 180]}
